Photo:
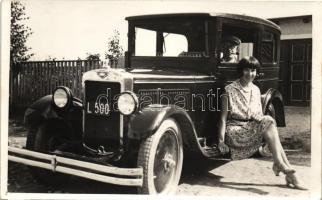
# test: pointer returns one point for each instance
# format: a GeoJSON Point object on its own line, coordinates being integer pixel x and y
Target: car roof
{"type": "Point", "coordinates": [207, 15]}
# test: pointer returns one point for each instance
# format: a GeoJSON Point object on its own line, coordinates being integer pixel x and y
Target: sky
{"type": "Point", "coordinates": [70, 29]}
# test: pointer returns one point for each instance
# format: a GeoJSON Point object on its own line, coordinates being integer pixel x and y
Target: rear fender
{"type": "Point", "coordinates": [274, 97]}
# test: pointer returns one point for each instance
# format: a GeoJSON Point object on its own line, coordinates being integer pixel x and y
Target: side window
{"type": "Point", "coordinates": [174, 44]}
{"type": "Point", "coordinates": [268, 48]}
{"type": "Point", "coordinates": [245, 49]}
{"type": "Point", "coordinates": [236, 43]}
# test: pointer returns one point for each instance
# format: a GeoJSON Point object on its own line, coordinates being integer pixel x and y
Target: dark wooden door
{"type": "Point", "coordinates": [295, 71]}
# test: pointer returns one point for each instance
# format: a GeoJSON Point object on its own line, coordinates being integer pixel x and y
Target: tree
{"type": "Point", "coordinates": [115, 50]}
{"type": "Point", "coordinates": [19, 33]}
{"type": "Point", "coordinates": [50, 58]}
{"type": "Point", "coordinates": [93, 56]}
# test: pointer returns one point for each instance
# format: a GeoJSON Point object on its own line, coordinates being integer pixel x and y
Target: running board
{"type": "Point", "coordinates": [83, 169]}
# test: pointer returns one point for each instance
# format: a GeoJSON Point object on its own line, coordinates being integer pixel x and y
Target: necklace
{"type": "Point", "coordinates": [246, 92]}
{"type": "Point", "coordinates": [245, 89]}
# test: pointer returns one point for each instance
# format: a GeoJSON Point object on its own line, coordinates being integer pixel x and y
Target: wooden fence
{"type": "Point", "coordinates": [36, 79]}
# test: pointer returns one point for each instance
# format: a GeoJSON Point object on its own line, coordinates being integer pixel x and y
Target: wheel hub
{"type": "Point", "coordinates": [168, 162]}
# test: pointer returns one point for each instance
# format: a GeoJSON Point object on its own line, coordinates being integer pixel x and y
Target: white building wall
{"type": "Point", "coordinates": [295, 29]}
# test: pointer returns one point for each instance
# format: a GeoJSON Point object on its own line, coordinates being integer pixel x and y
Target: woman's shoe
{"type": "Point", "coordinates": [293, 182]}
{"type": "Point", "coordinates": [277, 169]}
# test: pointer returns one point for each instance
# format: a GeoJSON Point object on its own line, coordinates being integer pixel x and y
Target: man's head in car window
{"type": "Point", "coordinates": [229, 47]}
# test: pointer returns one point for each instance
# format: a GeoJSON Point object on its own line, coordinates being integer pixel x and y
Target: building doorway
{"type": "Point", "coordinates": [295, 74]}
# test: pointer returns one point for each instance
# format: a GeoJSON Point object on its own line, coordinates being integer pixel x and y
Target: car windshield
{"type": "Point", "coordinates": [170, 38]}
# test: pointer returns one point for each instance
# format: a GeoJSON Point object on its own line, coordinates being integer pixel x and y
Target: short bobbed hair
{"type": "Point", "coordinates": [248, 62]}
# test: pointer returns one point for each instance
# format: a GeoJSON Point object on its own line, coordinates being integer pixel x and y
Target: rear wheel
{"type": "Point", "coordinates": [271, 110]}
{"type": "Point", "coordinates": [43, 139]}
{"type": "Point", "coordinates": [161, 157]}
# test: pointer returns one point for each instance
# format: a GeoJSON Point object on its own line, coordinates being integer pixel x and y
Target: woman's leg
{"type": "Point", "coordinates": [272, 138]}
{"type": "Point", "coordinates": [282, 152]}
{"type": "Point", "coordinates": [285, 158]}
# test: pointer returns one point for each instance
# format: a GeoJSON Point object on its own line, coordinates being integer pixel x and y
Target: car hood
{"type": "Point", "coordinates": [140, 74]}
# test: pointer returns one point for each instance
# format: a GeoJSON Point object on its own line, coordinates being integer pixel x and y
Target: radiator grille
{"type": "Point", "coordinates": [101, 120]}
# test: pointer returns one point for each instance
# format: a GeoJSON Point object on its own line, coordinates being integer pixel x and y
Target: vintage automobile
{"type": "Point", "coordinates": [134, 126]}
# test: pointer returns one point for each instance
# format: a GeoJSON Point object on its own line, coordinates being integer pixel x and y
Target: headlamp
{"type": "Point", "coordinates": [127, 103]}
{"type": "Point", "coordinates": [62, 96]}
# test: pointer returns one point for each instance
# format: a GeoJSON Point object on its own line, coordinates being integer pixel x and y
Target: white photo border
{"type": "Point", "coordinates": [316, 89]}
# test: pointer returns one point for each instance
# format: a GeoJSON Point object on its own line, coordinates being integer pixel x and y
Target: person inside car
{"type": "Point", "coordinates": [229, 46]}
{"type": "Point", "coordinates": [243, 127]}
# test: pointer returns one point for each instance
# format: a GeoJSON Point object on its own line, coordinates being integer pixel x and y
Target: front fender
{"type": "Point", "coordinates": [146, 122]}
{"type": "Point", "coordinates": [43, 109]}
{"type": "Point", "coordinates": [273, 96]}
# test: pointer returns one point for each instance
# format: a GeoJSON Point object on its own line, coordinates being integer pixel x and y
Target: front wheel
{"type": "Point", "coordinates": [43, 139]}
{"type": "Point", "coordinates": [161, 157]}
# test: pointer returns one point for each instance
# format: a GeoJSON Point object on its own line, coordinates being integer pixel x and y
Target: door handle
{"type": "Point", "coordinates": [261, 75]}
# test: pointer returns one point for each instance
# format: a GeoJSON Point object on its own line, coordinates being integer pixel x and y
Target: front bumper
{"type": "Point", "coordinates": [107, 174]}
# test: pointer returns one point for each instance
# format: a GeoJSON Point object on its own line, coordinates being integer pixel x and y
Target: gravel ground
{"type": "Point", "coordinates": [252, 176]}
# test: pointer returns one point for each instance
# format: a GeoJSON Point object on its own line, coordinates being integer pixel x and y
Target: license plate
{"type": "Point", "coordinates": [98, 108]}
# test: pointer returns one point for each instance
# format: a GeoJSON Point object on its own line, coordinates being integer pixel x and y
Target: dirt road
{"type": "Point", "coordinates": [243, 178]}
{"type": "Point", "coordinates": [212, 177]}
{"type": "Point", "coordinates": [246, 177]}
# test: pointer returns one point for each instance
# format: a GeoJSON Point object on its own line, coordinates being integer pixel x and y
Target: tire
{"type": "Point", "coordinates": [42, 139]}
{"type": "Point", "coordinates": [271, 110]}
{"type": "Point", "coordinates": [161, 156]}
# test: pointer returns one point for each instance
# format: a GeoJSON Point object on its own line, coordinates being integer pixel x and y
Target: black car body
{"type": "Point", "coordinates": [172, 82]}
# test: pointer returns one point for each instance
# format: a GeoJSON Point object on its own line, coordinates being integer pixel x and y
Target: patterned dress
{"type": "Point", "coordinates": [243, 134]}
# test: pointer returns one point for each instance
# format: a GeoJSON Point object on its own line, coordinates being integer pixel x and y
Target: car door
{"type": "Point", "coordinates": [268, 75]}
